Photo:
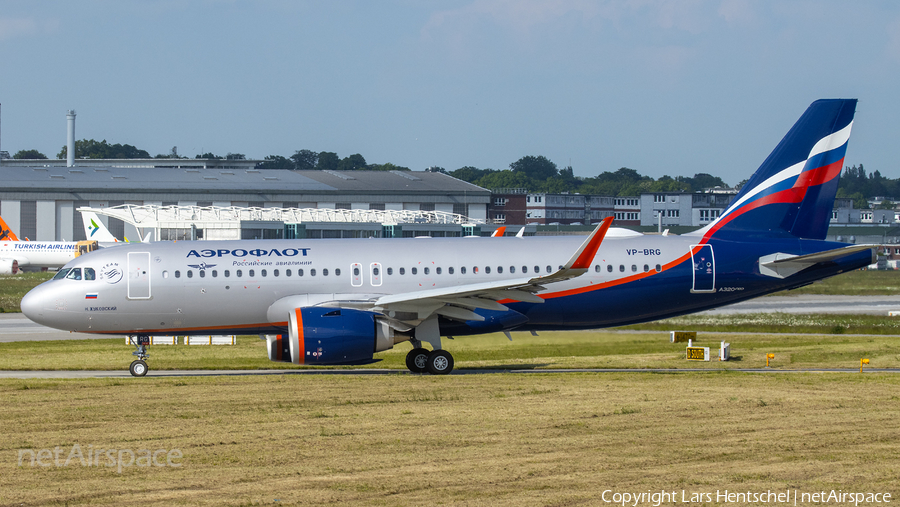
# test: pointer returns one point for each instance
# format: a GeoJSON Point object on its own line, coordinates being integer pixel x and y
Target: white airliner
{"type": "Point", "coordinates": [18, 255]}
{"type": "Point", "coordinates": [94, 228]}
{"type": "Point", "coordinates": [320, 302]}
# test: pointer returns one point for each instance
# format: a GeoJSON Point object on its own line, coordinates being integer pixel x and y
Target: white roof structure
{"type": "Point", "coordinates": [174, 216]}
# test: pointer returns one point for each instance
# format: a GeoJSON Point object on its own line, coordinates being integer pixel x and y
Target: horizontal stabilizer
{"type": "Point", "coordinates": [782, 265]}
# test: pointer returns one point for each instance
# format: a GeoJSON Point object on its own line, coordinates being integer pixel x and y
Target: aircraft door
{"type": "Point", "coordinates": [704, 272]}
{"type": "Point", "coordinates": [139, 275]}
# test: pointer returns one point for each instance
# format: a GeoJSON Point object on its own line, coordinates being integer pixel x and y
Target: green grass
{"type": "Point", "coordinates": [12, 288]}
{"type": "Point", "coordinates": [778, 323]}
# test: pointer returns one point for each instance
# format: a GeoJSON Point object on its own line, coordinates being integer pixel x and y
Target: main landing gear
{"type": "Point", "coordinates": [422, 360]}
{"type": "Point", "coordinates": [139, 366]}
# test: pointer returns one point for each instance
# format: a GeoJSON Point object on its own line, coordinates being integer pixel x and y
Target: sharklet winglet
{"type": "Point", "coordinates": [585, 254]}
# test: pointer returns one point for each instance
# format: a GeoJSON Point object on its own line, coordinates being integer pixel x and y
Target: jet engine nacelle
{"type": "Point", "coordinates": [9, 266]}
{"type": "Point", "coordinates": [321, 335]}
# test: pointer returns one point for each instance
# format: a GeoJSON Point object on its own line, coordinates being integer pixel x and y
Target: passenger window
{"type": "Point", "coordinates": [549, 269]}
{"type": "Point", "coordinates": [299, 272]}
{"type": "Point", "coordinates": [215, 273]}
{"type": "Point", "coordinates": [462, 270]}
{"type": "Point", "coordinates": [427, 270]}
{"type": "Point", "coordinates": [621, 268]}
{"type": "Point", "coordinates": [499, 270]}
{"type": "Point", "coordinates": [251, 273]}
{"type": "Point", "coordinates": [487, 270]}
{"type": "Point", "coordinates": [262, 272]}
{"type": "Point", "coordinates": [596, 268]}
{"type": "Point", "coordinates": [512, 269]}
{"type": "Point", "coordinates": [337, 272]}
{"type": "Point", "coordinates": [658, 268]}
{"type": "Point", "coordinates": [202, 273]}
{"type": "Point", "coordinates": [402, 271]}
{"type": "Point", "coordinates": [414, 271]}
{"type": "Point", "coordinates": [390, 271]}
{"type": "Point", "coordinates": [287, 272]}
{"type": "Point", "coordinates": [437, 270]}
{"type": "Point", "coordinates": [646, 268]}
{"type": "Point", "coordinates": [376, 271]}
{"type": "Point", "coordinates": [634, 268]}
{"type": "Point", "coordinates": [75, 274]}
{"type": "Point", "coordinates": [312, 272]}
{"type": "Point", "coordinates": [89, 274]}
{"type": "Point", "coordinates": [227, 273]}
{"type": "Point", "coordinates": [325, 272]}
{"type": "Point", "coordinates": [239, 273]}
{"type": "Point", "coordinates": [274, 272]}
{"type": "Point", "coordinates": [450, 270]}
{"type": "Point", "coordinates": [190, 273]}
{"type": "Point", "coordinates": [177, 274]}
{"type": "Point", "coordinates": [609, 268]}
{"type": "Point", "coordinates": [537, 269]}
{"type": "Point", "coordinates": [475, 270]}
{"type": "Point", "coordinates": [524, 270]}
{"type": "Point", "coordinates": [356, 271]}
{"type": "Point", "coordinates": [165, 274]}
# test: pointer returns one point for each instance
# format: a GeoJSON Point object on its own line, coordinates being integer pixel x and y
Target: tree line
{"type": "Point", "coordinates": [857, 185]}
{"type": "Point", "coordinates": [532, 173]}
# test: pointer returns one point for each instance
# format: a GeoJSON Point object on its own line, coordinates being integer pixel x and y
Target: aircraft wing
{"type": "Point", "coordinates": [781, 265]}
{"type": "Point", "coordinates": [460, 302]}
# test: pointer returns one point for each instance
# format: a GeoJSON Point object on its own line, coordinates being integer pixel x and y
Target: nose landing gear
{"type": "Point", "coordinates": [139, 366]}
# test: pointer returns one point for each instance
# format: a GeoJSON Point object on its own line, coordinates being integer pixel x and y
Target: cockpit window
{"type": "Point", "coordinates": [89, 274]}
{"type": "Point", "coordinates": [74, 274]}
{"type": "Point", "coordinates": [61, 274]}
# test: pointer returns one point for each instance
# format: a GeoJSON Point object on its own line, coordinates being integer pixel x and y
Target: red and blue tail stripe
{"type": "Point", "coordinates": [792, 193]}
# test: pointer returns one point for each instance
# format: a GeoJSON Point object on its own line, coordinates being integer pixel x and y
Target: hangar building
{"type": "Point", "coordinates": [39, 199]}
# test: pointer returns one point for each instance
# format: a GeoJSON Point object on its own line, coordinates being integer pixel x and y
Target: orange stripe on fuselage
{"type": "Point", "coordinates": [613, 283]}
{"type": "Point", "coordinates": [301, 350]}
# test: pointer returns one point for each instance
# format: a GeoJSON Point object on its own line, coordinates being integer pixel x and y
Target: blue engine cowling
{"type": "Point", "coordinates": [320, 335]}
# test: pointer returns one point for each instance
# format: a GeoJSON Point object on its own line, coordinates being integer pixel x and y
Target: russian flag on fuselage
{"type": "Point", "coordinates": [792, 192]}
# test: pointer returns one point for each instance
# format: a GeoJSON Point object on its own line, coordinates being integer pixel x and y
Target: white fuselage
{"type": "Point", "coordinates": [43, 254]}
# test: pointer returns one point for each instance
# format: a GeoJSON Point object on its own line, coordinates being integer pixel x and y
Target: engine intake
{"type": "Point", "coordinates": [322, 335]}
{"type": "Point", "coordinates": [9, 266]}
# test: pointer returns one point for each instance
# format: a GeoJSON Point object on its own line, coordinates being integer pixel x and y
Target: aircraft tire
{"type": "Point", "coordinates": [440, 362]}
{"type": "Point", "coordinates": [417, 360]}
{"type": "Point", "coordinates": [138, 368]}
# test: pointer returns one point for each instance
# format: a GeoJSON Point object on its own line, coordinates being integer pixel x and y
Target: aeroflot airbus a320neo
{"type": "Point", "coordinates": [321, 302]}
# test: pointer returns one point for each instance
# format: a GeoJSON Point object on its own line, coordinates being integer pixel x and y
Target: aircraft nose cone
{"type": "Point", "coordinates": [33, 304]}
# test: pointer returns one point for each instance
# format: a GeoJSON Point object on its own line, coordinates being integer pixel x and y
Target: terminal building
{"type": "Point", "coordinates": [39, 199]}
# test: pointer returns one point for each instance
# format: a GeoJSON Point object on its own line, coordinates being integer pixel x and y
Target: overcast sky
{"type": "Point", "coordinates": [671, 87]}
